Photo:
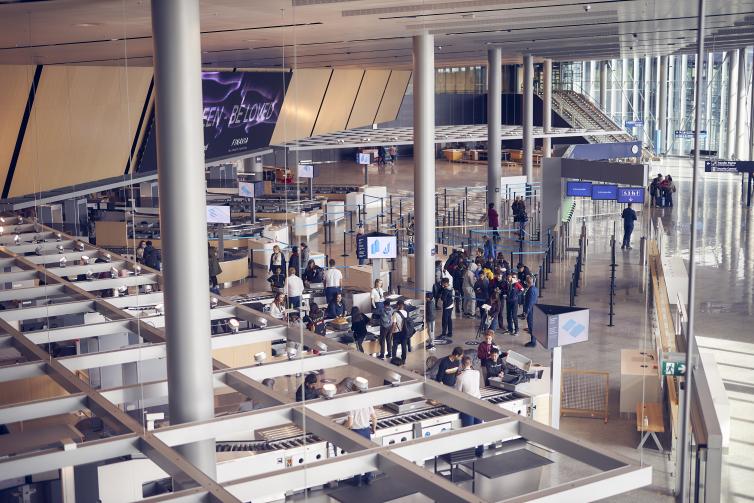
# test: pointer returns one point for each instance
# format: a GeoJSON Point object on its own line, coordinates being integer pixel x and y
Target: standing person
{"type": "Point", "coordinates": [447, 371]}
{"type": "Point", "coordinates": [468, 382]}
{"type": "Point", "coordinates": [294, 288]}
{"type": "Point", "coordinates": [378, 299]}
{"type": "Point", "coordinates": [315, 319]}
{"type": "Point", "coordinates": [437, 287]}
{"type": "Point", "coordinates": [277, 259]}
{"type": "Point", "coordinates": [493, 221]}
{"type": "Point", "coordinates": [485, 347]}
{"type": "Point", "coordinates": [400, 337]}
{"type": "Point", "coordinates": [481, 291]}
{"type": "Point", "coordinates": [469, 294]}
{"type": "Point", "coordinates": [305, 253]}
{"type": "Point", "coordinates": [494, 312]}
{"type": "Point", "coordinates": [295, 260]}
{"type": "Point", "coordinates": [447, 309]}
{"type": "Point", "coordinates": [488, 249]}
{"type": "Point", "coordinates": [363, 422]}
{"type": "Point", "coordinates": [530, 300]}
{"type": "Point", "coordinates": [214, 266]}
{"type": "Point", "coordinates": [358, 327]}
{"type": "Point", "coordinates": [429, 317]}
{"type": "Point", "coordinates": [654, 190]}
{"type": "Point", "coordinates": [140, 252]}
{"type": "Point", "coordinates": [511, 303]}
{"type": "Point", "coordinates": [386, 332]}
{"type": "Point", "coordinates": [333, 280]}
{"type": "Point", "coordinates": [458, 285]}
{"type": "Point", "coordinates": [629, 217]}
{"type": "Point", "coordinates": [668, 189]}
{"type": "Point", "coordinates": [277, 280]}
{"type": "Point", "coordinates": [152, 256]}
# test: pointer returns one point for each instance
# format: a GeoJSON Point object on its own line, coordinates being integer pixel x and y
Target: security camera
{"type": "Point", "coordinates": [587, 8]}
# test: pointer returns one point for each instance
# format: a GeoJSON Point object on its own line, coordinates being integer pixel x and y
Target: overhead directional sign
{"type": "Point", "coordinates": [687, 135]}
{"type": "Point", "coordinates": [722, 166]}
{"type": "Point", "coordinates": [630, 195]}
{"type": "Point", "coordinates": [604, 192]}
{"type": "Point", "coordinates": [637, 123]}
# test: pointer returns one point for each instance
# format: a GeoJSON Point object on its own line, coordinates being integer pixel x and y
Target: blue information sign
{"type": "Point", "coordinates": [688, 135]}
{"type": "Point", "coordinates": [637, 123]}
{"type": "Point", "coordinates": [579, 189]}
{"type": "Point", "coordinates": [604, 192]}
{"type": "Point", "coordinates": [630, 195]}
{"type": "Point", "coordinates": [723, 166]}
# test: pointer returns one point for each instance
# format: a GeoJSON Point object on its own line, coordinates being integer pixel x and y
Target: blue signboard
{"type": "Point", "coordinates": [579, 189]}
{"type": "Point", "coordinates": [637, 123]}
{"type": "Point", "coordinates": [630, 194]}
{"type": "Point", "coordinates": [604, 192]}
{"type": "Point", "coordinates": [722, 166]}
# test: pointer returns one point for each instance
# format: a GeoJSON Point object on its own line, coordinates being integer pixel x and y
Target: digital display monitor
{"type": "Point", "coordinates": [579, 189]}
{"type": "Point", "coordinates": [631, 195]}
{"type": "Point", "coordinates": [382, 247]}
{"type": "Point", "coordinates": [604, 192]}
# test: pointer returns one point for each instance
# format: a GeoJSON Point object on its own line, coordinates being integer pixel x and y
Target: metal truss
{"type": "Point", "coordinates": [353, 138]}
{"type": "Point", "coordinates": [40, 278]}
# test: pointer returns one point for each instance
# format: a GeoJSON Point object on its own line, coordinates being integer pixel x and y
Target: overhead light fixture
{"type": "Point", "coordinates": [62, 261]}
{"type": "Point", "coordinates": [89, 274]}
{"type": "Point", "coordinates": [291, 352]}
{"type": "Point", "coordinates": [137, 270]}
{"type": "Point", "coordinates": [108, 258]}
{"type": "Point", "coordinates": [113, 272]}
{"type": "Point", "coordinates": [328, 390]}
{"type": "Point", "coordinates": [123, 290]}
{"type": "Point", "coordinates": [159, 309]}
{"type": "Point", "coordinates": [38, 250]}
{"type": "Point", "coordinates": [361, 384]}
{"type": "Point", "coordinates": [262, 322]}
{"type": "Point", "coordinates": [80, 246]}
{"type": "Point", "coordinates": [234, 325]}
{"type": "Point", "coordinates": [147, 288]}
{"type": "Point", "coordinates": [60, 248]}
{"type": "Point", "coordinates": [58, 236]}
{"type": "Point", "coordinates": [260, 357]}
{"type": "Point", "coordinates": [86, 25]}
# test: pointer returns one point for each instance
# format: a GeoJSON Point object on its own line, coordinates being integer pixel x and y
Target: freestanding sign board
{"type": "Point", "coordinates": [556, 326]}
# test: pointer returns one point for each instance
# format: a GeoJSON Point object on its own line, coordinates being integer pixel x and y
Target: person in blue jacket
{"type": "Point", "coordinates": [629, 217]}
{"type": "Point", "coordinates": [336, 307]}
{"type": "Point", "coordinates": [488, 249]}
{"type": "Point", "coordinates": [530, 300]}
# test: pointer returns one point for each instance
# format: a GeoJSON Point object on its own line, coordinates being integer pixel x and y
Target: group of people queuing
{"type": "Point", "coordinates": [661, 191]}
{"type": "Point", "coordinates": [484, 287]}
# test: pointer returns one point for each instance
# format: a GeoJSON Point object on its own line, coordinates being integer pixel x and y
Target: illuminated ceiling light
{"type": "Point", "coordinates": [262, 322]}
{"type": "Point", "coordinates": [260, 357]}
{"type": "Point", "coordinates": [328, 390]}
{"type": "Point", "coordinates": [62, 261]}
{"type": "Point", "coordinates": [137, 270]}
{"type": "Point", "coordinates": [159, 309]}
{"type": "Point", "coordinates": [113, 272]}
{"type": "Point", "coordinates": [234, 325]}
{"type": "Point", "coordinates": [361, 384]}
{"type": "Point", "coordinates": [38, 250]}
{"type": "Point", "coordinates": [60, 248]}
{"type": "Point", "coordinates": [58, 236]}
{"type": "Point", "coordinates": [86, 25]}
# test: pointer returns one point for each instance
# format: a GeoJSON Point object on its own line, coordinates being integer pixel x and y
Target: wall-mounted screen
{"type": "Point", "coordinates": [604, 192]}
{"type": "Point", "coordinates": [631, 195]}
{"type": "Point", "coordinates": [382, 247]}
{"type": "Point", "coordinates": [579, 189]}
{"type": "Point", "coordinates": [218, 214]}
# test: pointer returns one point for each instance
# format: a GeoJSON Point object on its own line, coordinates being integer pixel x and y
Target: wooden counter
{"type": "Point", "coordinates": [234, 270]}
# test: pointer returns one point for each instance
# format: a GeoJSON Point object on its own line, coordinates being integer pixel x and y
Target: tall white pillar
{"type": "Point", "coordinates": [671, 122]}
{"type": "Point", "coordinates": [722, 134]}
{"type": "Point", "coordinates": [592, 79]}
{"type": "Point", "coordinates": [613, 88]}
{"type": "Point", "coordinates": [730, 147]}
{"type": "Point", "coordinates": [623, 90]}
{"type": "Point", "coordinates": [682, 70]}
{"type": "Point", "coordinates": [646, 101]}
{"type": "Point", "coordinates": [494, 121]}
{"type": "Point", "coordinates": [528, 118]}
{"type": "Point", "coordinates": [547, 108]}
{"type": "Point", "coordinates": [424, 162]}
{"type": "Point", "coordinates": [603, 86]}
{"type": "Point", "coordinates": [635, 107]}
{"type": "Point", "coordinates": [662, 118]}
{"type": "Point", "coordinates": [741, 133]}
{"type": "Point", "coordinates": [183, 219]}
{"type": "Point", "coordinates": [707, 68]}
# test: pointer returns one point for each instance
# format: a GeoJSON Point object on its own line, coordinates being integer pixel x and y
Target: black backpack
{"type": "Point", "coordinates": [408, 329]}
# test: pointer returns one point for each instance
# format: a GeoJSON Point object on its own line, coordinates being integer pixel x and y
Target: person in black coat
{"type": "Point", "coordinates": [277, 259]}
{"type": "Point", "coordinates": [294, 260]}
{"type": "Point", "coordinates": [447, 372]}
{"type": "Point", "coordinates": [358, 327]}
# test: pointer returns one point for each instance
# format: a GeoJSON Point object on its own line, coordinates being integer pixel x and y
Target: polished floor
{"type": "Point", "coordinates": [724, 300]}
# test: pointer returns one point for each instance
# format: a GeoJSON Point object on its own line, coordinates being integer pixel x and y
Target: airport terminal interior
{"type": "Point", "coordinates": [376, 251]}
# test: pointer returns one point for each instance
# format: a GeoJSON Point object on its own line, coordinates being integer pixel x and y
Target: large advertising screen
{"type": "Point", "coordinates": [240, 110]}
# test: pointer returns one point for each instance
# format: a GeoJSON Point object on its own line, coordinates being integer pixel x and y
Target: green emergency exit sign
{"type": "Point", "coordinates": [671, 368]}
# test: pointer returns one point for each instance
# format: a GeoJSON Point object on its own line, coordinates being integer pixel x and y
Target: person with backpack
{"type": "Point", "coordinates": [513, 299]}
{"type": "Point", "coordinates": [481, 291]}
{"type": "Point", "coordinates": [403, 330]}
{"type": "Point", "coordinates": [436, 287]}
{"type": "Point", "coordinates": [386, 331]}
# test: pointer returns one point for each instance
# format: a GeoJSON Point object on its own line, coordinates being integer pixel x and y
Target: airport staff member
{"type": "Point", "coordinates": [530, 300]}
{"type": "Point", "coordinates": [277, 259]}
{"type": "Point", "coordinates": [448, 369]}
{"type": "Point", "coordinates": [308, 390]}
{"type": "Point", "coordinates": [468, 382]}
{"type": "Point", "coordinates": [294, 288]}
{"type": "Point", "coordinates": [629, 217]}
{"type": "Point", "coordinates": [337, 307]}
{"type": "Point", "coordinates": [333, 281]}
{"type": "Point", "coordinates": [494, 366]}
{"type": "Point", "coordinates": [363, 422]}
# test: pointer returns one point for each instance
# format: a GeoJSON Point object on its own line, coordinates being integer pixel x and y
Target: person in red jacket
{"type": "Point", "coordinates": [493, 221]}
{"type": "Point", "coordinates": [485, 347]}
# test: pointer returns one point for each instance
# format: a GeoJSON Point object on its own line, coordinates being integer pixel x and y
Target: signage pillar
{"type": "Point", "coordinates": [741, 137]}
{"type": "Point", "coordinates": [662, 117]}
{"type": "Point", "coordinates": [528, 120]}
{"type": "Point", "coordinates": [547, 108]}
{"type": "Point", "coordinates": [494, 121]}
{"type": "Point", "coordinates": [424, 162]}
{"type": "Point", "coordinates": [183, 219]}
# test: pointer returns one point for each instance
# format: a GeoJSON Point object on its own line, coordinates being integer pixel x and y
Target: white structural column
{"type": "Point", "coordinates": [424, 161]}
{"type": "Point", "coordinates": [635, 88]}
{"type": "Point", "coordinates": [670, 115]}
{"type": "Point", "coordinates": [708, 73]}
{"type": "Point", "coordinates": [683, 64]}
{"type": "Point", "coordinates": [547, 108]}
{"type": "Point", "coordinates": [722, 134]}
{"type": "Point", "coordinates": [751, 118]}
{"type": "Point", "coordinates": [623, 90]}
{"type": "Point", "coordinates": [730, 145]}
{"type": "Point", "coordinates": [494, 121]}
{"type": "Point", "coordinates": [603, 86]}
{"type": "Point", "coordinates": [662, 118]}
{"type": "Point", "coordinates": [647, 93]}
{"type": "Point", "coordinates": [528, 118]}
{"type": "Point", "coordinates": [183, 219]}
{"type": "Point", "coordinates": [592, 78]}
{"type": "Point", "coordinates": [741, 133]}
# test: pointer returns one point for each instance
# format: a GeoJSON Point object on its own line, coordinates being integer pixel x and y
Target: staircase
{"type": "Point", "coordinates": [582, 113]}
